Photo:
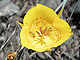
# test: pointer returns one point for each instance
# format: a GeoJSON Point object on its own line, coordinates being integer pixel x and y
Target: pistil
{"type": "Point", "coordinates": [41, 36]}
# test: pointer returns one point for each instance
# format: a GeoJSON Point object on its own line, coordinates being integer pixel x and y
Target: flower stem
{"type": "Point", "coordinates": [64, 2]}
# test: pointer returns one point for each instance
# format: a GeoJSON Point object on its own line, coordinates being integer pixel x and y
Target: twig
{"type": "Point", "coordinates": [45, 56]}
{"type": "Point", "coordinates": [72, 12]}
{"type": "Point", "coordinates": [69, 56]}
{"type": "Point", "coordinates": [59, 55]}
{"type": "Point", "coordinates": [48, 55]}
{"type": "Point", "coordinates": [22, 48]}
{"type": "Point", "coordinates": [27, 53]}
{"type": "Point", "coordinates": [70, 42]}
{"type": "Point", "coordinates": [33, 53]}
{"type": "Point", "coordinates": [12, 46]}
{"type": "Point", "coordinates": [20, 52]}
{"type": "Point", "coordinates": [68, 19]}
{"type": "Point", "coordinates": [8, 39]}
{"type": "Point", "coordinates": [18, 26]}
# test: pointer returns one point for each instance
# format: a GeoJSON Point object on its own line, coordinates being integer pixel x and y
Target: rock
{"type": "Point", "coordinates": [3, 38]}
{"type": "Point", "coordinates": [1, 28]}
{"type": "Point", "coordinates": [8, 8]}
{"type": "Point", "coordinates": [41, 55]}
{"type": "Point", "coordinates": [51, 3]}
{"type": "Point", "coordinates": [4, 25]}
{"type": "Point", "coordinates": [63, 48]}
{"type": "Point", "coordinates": [76, 42]}
{"type": "Point", "coordinates": [76, 37]}
{"type": "Point", "coordinates": [73, 27]}
{"type": "Point", "coordinates": [77, 9]}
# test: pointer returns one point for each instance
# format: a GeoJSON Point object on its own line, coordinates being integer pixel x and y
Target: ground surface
{"type": "Point", "coordinates": [9, 33]}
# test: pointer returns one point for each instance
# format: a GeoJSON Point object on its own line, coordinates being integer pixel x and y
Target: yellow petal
{"type": "Point", "coordinates": [59, 14]}
{"type": "Point", "coordinates": [63, 39]}
{"type": "Point", "coordinates": [64, 28]}
{"type": "Point", "coordinates": [39, 11]}
{"type": "Point", "coordinates": [24, 41]}
{"type": "Point", "coordinates": [20, 24]}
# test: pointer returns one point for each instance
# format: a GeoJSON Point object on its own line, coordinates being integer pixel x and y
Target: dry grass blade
{"type": "Point", "coordinates": [20, 52]}
{"type": "Point", "coordinates": [59, 7]}
{"type": "Point", "coordinates": [8, 39]}
{"type": "Point", "coordinates": [72, 12]}
{"type": "Point", "coordinates": [49, 56]}
{"type": "Point", "coordinates": [18, 26]}
{"type": "Point", "coordinates": [69, 56]}
{"type": "Point", "coordinates": [33, 53]}
{"type": "Point", "coordinates": [59, 55]}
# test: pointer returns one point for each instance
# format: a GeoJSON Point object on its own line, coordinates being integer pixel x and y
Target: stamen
{"type": "Point", "coordinates": [44, 30]}
{"type": "Point", "coordinates": [41, 43]}
{"type": "Point", "coordinates": [46, 34]}
{"type": "Point", "coordinates": [35, 40]}
{"type": "Point", "coordinates": [41, 30]}
{"type": "Point", "coordinates": [32, 34]}
{"type": "Point", "coordinates": [42, 36]}
{"type": "Point", "coordinates": [38, 42]}
{"type": "Point", "coordinates": [38, 34]}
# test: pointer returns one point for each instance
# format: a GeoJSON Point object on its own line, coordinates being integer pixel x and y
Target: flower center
{"type": "Point", "coordinates": [43, 33]}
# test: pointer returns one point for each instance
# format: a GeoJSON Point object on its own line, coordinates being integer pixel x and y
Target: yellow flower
{"type": "Point", "coordinates": [43, 29]}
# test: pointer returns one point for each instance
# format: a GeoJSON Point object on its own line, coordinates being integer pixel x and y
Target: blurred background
{"type": "Point", "coordinates": [15, 10]}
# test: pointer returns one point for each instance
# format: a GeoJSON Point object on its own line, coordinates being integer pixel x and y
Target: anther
{"type": "Point", "coordinates": [46, 34]}
{"type": "Point", "coordinates": [44, 30]}
{"type": "Point", "coordinates": [38, 34]}
{"type": "Point", "coordinates": [41, 30]}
